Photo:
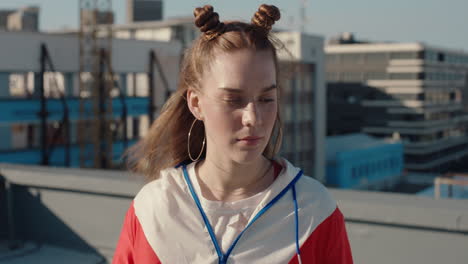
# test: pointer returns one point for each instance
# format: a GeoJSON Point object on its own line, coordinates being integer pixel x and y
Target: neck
{"type": "Point", "coordinates": [233, 181]}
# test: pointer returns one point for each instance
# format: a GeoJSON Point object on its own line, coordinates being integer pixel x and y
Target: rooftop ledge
{"type": "Point", "coordinates": [379, 207]}
{"type": "Point", "coordinates": [382, 227]}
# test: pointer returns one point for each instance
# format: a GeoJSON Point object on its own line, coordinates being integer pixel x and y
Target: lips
{"type": "Point", "coordinates": [250, 140]}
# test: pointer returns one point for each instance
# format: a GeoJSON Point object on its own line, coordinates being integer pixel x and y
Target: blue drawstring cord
{"type": "Point", "coordinates": [224, 257]}
{"type": "Point", "coordinates": [202, 212]}
{"type": "Point", "coordinates": [296, 220]}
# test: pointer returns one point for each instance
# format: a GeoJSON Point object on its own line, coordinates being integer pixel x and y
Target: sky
{"type": "Point", "coordinates": [434, 22]}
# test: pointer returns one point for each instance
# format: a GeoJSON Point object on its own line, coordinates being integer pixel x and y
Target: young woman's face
{"type": "Point", "coordinates": [238, 104]}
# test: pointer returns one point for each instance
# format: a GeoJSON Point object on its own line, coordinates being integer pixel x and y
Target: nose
{"type": "Point", "coordinates": [251, 116]}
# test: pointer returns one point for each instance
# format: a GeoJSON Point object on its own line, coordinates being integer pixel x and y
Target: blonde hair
{"type": "Point", "coordinates": [165, 144]}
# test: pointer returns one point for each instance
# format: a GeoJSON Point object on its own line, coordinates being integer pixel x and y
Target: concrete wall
{"type": "Point", "coordinates": [395, 228]}
{"type": "Point", "coordinates": [84, 209]}
{"type": "Point", "coordinates": [70, 208]}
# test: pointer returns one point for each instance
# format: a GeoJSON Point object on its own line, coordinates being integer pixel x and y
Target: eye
{"type": "Point", "coordinates": [267, 100]}
{"type": "Point", "coordinates": [234, 101]}
{"type": "Point", "coordinates": [231, 100]}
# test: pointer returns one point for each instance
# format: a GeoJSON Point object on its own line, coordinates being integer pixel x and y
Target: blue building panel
{"type": "Point", "coordinates": [57, 157]}
{"type": "Point", "coordinates": [357, 160]}
{"type": "Point", "coordinates": [27, 110]}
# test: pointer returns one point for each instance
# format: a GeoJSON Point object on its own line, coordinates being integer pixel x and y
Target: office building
{"type": "Point", "coordinates": [413, 91]}
{"type": "Point", "coordinates": [24, 19]}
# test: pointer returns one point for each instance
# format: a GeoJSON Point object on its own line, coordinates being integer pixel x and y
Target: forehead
{"type": "Point", "coordinates": [244, 69]}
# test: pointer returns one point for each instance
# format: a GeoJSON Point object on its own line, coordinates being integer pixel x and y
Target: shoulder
{"type": "Point", "coordinates": [160, 200]}
{"type": "Point", "coordinates": [167, 177]}
{"type": "Point", "coordinates": [308, 185]}
{"type": "Point", "coordinates": [314, 194]}
{"type": "Point", "coordinates": [169, 181]}
{"type": "Point", "coordinates": [311, 193]}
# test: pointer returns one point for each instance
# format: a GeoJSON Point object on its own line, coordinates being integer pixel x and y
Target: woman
{"type": "Point", "coordinates": [217, 193]}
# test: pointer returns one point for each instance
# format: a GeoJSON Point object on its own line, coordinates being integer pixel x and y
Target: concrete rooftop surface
{"type": "Point", "coordinates": [52, 215]}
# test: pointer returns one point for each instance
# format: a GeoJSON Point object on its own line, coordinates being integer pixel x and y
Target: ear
{"type": "Point", "coordinates": [193, 102]}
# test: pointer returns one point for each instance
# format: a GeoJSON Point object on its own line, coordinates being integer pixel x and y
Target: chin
{"type": "Point", "coordinates": [247, 157]}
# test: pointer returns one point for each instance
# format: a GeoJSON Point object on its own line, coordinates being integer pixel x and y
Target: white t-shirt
{"type": "Point", "coordinates": [228, 219]}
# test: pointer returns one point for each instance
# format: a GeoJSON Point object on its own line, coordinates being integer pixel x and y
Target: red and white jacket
{"type": "Point", "coordinates": [164, 225]}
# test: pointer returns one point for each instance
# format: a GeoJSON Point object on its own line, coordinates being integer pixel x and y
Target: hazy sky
{"type": "Point", "coordinates": [436, 22]}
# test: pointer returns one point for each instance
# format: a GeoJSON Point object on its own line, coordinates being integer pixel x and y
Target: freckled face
{"type": "Point", "coordinates": [238, 102]}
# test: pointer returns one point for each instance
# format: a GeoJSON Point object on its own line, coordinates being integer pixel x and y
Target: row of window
{"type": "Point", "coordinates": [434, 56]}
{"type": "Point", "coordinates": [364, 76]}
{"type": "Point", "coordinates": [24, 85]}
{"type": "Point", "coordinates": [442, 97]}
{"type": "Point", "coordinates": [418, 158]}
{"type": "Point", "coordinates": [431, 96]}
{"type": "Point", "coordinates": [438, 116]}
{"type": "Point", "coordinates": [382, 57]}
{"type": "Point", "coordinates": [355, 76]}
{"type": "Point", "coordinates": [372, 57]}
{"type": "Point", "coordinates": [444, 76]}
{"type": "Point", "coordinates": [419, 96]}
{"type": "Point", "coordinates": [374, 167]}
{"type": "Point", "coordinates": [404, 76]}
{"type": "Point", "coordinates": [445, 134]}
{"type": "Point", "coordinates": [29, 135]}
{"type": "Point", "coordinates": [297, 138]}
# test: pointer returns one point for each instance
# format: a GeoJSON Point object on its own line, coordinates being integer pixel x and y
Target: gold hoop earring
{"type": "Point", "coordinates": [188, 143]}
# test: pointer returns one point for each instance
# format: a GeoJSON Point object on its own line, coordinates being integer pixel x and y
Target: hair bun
{"type": "Point", "coordinates": [266, 16]}
{"type": "Point", "coordinates": [208, 20]}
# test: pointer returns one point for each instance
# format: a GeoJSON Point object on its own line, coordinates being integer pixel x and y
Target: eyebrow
{"type": "Point", "coordinates": [235, 90]}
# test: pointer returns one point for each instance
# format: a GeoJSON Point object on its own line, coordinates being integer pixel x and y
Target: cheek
{"type": "Point", "coordinates": [270, 113]}
{"type": "Point", "coordinates": [219, 124]}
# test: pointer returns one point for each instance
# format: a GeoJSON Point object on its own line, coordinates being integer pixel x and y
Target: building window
{"type": "Point", "coordinates": [404, 55]}
{"type": "Point", "coordinates": [444, 76]}
{"type": "Point", "coordinates": [351, 57]}
{"type": "Point", "coordinates": [375, 76]}
{"type": "Point", "coordinates": [333, 58]}
{"type": "Point", "coordinates": [419, 96]}
{"type": "Point", "coordinates": [440, 57]}
{"type": "Point", "coordinates": [351, 76]}
{"type": "Point", "coordinates": [403, 76]}
{"type": "Point", "coordinates": [354, 173]}
{"type": "Point", "coordinates": [430, 56]}
{"type": "Point", "coordinates": [332, 76]}
{"type": "Point", "coordinates": [376, 57]}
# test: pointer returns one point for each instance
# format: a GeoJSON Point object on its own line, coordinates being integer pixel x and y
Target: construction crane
{"type": "Point", "coordinates": [95, 83]}
{"type": "Point", "coordinates": [88, 128]}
